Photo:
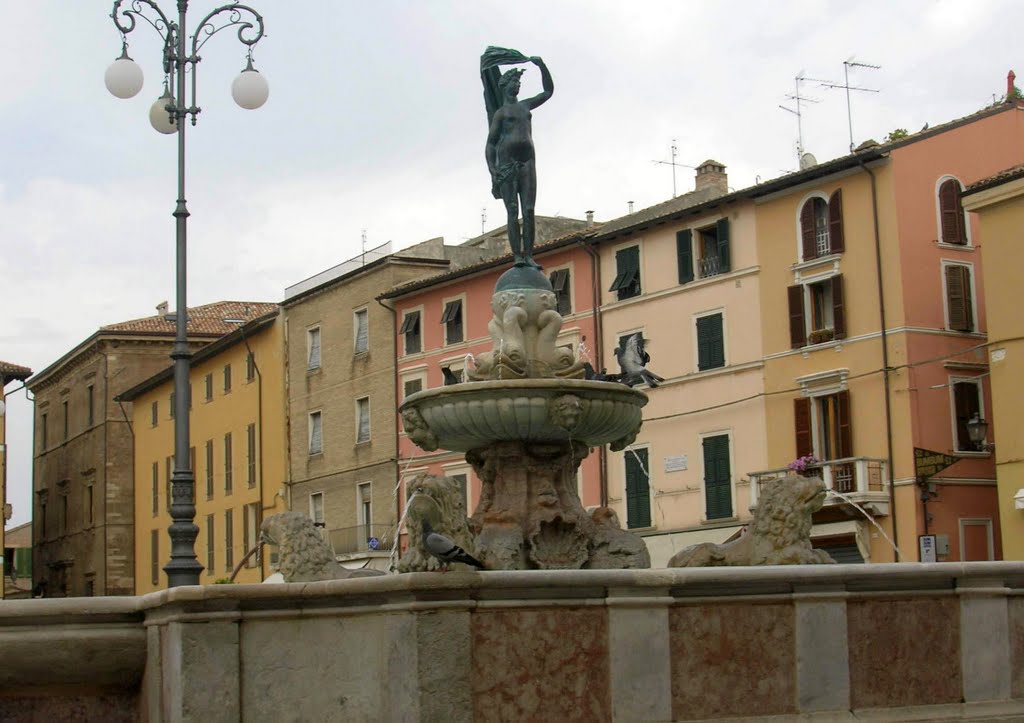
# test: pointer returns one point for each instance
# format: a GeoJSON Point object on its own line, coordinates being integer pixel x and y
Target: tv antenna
{"type": "Point", "coordinates": [674, 150]}
{"type": "Point", "coordinates": [798, 100]}
{"type": "Point", "coordinates": [483, 220]}
{"type": "Point", "coordinates": [364, 246]}
{"type": "Point", "coordinates": [847, 64]}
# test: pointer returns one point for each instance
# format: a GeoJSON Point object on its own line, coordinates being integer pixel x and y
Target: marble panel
{"type": "Point", "coordinates": [541, 665]}
{"type": "Point", "coordinates": [904, 652]}
{"type": "Point", "coordinates": [732, 659]}
{"type": "Point", "coordinates": [1016, 612]}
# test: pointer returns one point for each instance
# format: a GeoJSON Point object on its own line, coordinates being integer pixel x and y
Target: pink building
{"type": "Point", "coordinates": [441, 323]}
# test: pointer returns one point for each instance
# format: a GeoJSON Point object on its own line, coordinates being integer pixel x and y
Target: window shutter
{"type": "Point", "coordinates": [838, 309]}
{"type": "Point", "coordinates": [807, 230]}
{"type": "Point", "coordinates": [835, 222]}
{"type": "Point", "coordinates": [684, 255]}
{"type": "Point", "coordinates": [362, 332]}
{"type": "Point", "coordinates": [802, 423]}
{"type": "Point", "coordinates": [638, 499]}
{"type": "Point", "coordinates": [710, 342]}
{"type": "Point", "coordinates": [845, 430]}
{"type": "Point", "coordinates": [717, 477]}
{"type": "Point", "coordinates": [797, 330]}
{"type": "Point", "coordinates": [953, 230]}
{"type": "Point", "coordinates": [724, 258]}
{"type": "Point", "coordinates": [958, 298]}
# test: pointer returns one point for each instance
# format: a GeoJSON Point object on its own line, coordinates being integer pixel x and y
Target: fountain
{"type": "Point", "coordinates": [526, 418]}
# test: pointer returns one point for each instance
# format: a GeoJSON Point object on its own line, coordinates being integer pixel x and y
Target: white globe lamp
{"type": "Point", "coordinates": [123, 77]}
{"type": "Point", "coordinates": [250, 89]}
{"type": "Point", "coordinates": [159, 117]}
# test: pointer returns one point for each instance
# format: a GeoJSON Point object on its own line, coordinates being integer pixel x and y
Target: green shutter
{"type": "Point", "coordinates": [710, 342]}
{"type": "Point", "coordinates": [684, 255]}
{"type": "Point", "coordinates": [638, 495]}
{"type": "Point", "coordinates": [627, 272]}
{"type": "Point", "coordinates": [723, 246]}
{"type": "Point", "coordinates": [717, 477]}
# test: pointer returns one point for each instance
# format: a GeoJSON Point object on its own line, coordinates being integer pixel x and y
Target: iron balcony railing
{"type": "Point", "coordinates": [373, 537]}
{"type": "Point", "coordinates": [860, 479]}
{"type": "Point", "coordinates": [708, 266]}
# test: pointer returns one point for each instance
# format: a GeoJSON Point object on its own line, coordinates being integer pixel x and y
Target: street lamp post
{"type": "Point", "coordinates": [124, 79]}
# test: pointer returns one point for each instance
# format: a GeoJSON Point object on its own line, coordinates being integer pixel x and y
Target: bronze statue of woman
{"type": "Point", "coordinates": [510, 153]}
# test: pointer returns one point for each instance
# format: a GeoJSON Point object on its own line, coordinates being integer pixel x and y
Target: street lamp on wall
{"type": "Point", "coordinates": [124, 79]}
{"type": "Point", "coordinates": [977, 431]}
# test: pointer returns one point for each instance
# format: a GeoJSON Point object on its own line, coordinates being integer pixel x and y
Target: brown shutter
{"type": "Point", "coordinates": [807, 230]}
{"type": "Point", "coordinates": [802, 423]}
{"type": "Point", "coordinates": [958, 298]}
{"type": "Point", "coordinates": [835, 223]}
{"type": "Point", "coordinates": [797, 332]}
{"type": "Point", "coordinates": [845, 428]}
{"type": "Point", "coordinates": [838, 310]}
{"type": "Point", "coordinates": [952, 215]}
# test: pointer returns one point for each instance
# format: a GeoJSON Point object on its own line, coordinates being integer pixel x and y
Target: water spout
{"type": "Point", "coordinates": [241, 563]}
{"type": "Point", "coordinates": [582, 352]}
{"type": "Point", "coordinates": [870, 519]}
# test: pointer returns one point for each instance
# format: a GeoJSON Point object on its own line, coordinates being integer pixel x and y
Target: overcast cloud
{"type": "Point", "coordinates": [376, 121]}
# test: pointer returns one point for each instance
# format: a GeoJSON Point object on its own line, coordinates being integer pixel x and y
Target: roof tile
{"type": "Point", "coordinates": [213, 319]}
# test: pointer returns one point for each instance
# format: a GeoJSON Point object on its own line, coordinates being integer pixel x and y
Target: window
{"type": "Point", "coordinates": [316, 508]}
{"type": "Point", "coordinates": [250, 367]}
{"type": "Point", "coordinates": [170, 405]}
{"type": "Point", "coordinates": [250, 530]}
{"type": "Point", "coordinates": [209, 469]}
{"type": "Point", "coordinates": [563, 294]}
{"type": "Point", "coordinates": [627, 273]}
{"type": "Point", "coordinates": [717, 477]}
{"type": "Point", "coordinates": [89, 505]}
{"type": "Point", "coordinates": [64, 406]}
{"type": "Point", "coordinates": [90, 586]}
{"type": "Point", "coordinates": [211, 557]}
{"type": "Point", "coordinates": [364, 502]}
{"type": "Point", "coordinates": [821, 226]}
{"type": "Point", "coordinates": [452, 320]}
{"type": "Point", "coordinates": [823, 427]}
{"type": "Point", "coordinates": [316, 435]}
{"type": "Point", "coordinates": [227, 378]}
{"type": "Point", "coordinates": [959, 297]}
{"type": "Point", "coordinates": [361, 328]}
{"type": "Point", "coordinates": [90, 400]}
{"type": "Point", "coordinates": [154, 556]}
{"type": "Point", "coordinates": [451, 374]}
{"type": "Point", "coordinates": [208, 381]}
{"type": "Point", "coordinates": [45, 430]}
{"type": "Point", "coordinates": [250, 455]}
{"type": "Point", "coordinates": [64, 521]}
{"type": "Point", "coordinates": [192, 469]}
{"type": "Point", "coordinates": [816, 312]}
{"type": "Point", "coordinates": [966, 404]}
{"type": "Point", "coordinates": [229, 540]}
{"type": "Point", "coordinates": [155, 492]}
{"type": "Point", "coordinates": [228, 464]}
{"type": "Point", "coordinates": [362, 420]}
{"type": "Point", "coordinates": [313, 348]}
{"type": "Point", "coordinates": [710, 342]}
{"type": "Point", "coordinates": [712, 252]}
{"type": "Point", "coordinates": [638, 490]}
{"type": "Point", "coordinates": [952, 224]}
{"type": "Point", "coordinates": [168, 467]}
{"type": "Point", "coordinates": [410, 329]}
{"type": "Point", "coordinates": [154, 414]}
{"type": "Point", "coordinates": [411, 386]}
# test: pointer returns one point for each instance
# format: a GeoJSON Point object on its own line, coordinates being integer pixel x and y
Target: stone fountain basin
{"type": "Point", "coordinates": [475, 414]}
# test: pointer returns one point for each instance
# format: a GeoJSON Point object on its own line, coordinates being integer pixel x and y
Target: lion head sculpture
{"type": "Point", "coordinates": [439, 500]}
{"type": "Point", "coordinates": [303, 554]}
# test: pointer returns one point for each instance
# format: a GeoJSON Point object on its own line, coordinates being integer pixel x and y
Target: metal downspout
{"type": "Point", "coordinates": [398, 497]}
{"type": "Point", "coordinates": [595, 277]}
{"type": "Point", "coordinates": [885, 361]}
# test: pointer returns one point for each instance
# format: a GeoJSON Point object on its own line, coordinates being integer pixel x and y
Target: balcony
{"type": "Point", "coordinates": [354, 541]}
{"type": "Point", "coordinates": [861, 480]}
{"type": "Point", "coordinates": [708, 266]}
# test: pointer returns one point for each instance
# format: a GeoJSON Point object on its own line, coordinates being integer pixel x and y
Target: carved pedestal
{"type": "Point", "coordinates": [530, 515]}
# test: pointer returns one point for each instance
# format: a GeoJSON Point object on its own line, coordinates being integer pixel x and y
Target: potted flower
{"type": "Point", "coordinates": [805, 465]}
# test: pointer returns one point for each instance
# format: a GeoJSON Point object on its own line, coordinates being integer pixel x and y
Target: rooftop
{"type": "Point", "coordinates": [11, 372]}
{"type": "Point", "coordinates": [1009, 174]}
{"type": "Point", "coordinates": [214, 319]}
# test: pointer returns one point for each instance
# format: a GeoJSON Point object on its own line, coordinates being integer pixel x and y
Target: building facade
{"type": "Point", "coordinates": [998, 205]}
{"type": "Point", "coordinates": [237, 434]}
{"type": "Point", "coordinates": [8, 373]}
{"type": "Point", "coordinates": [82, 475]}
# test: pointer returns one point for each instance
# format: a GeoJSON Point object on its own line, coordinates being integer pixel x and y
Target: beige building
{"type": "Point", "coordinates": [340, 387]}
{"type": "Point", "coordinates": [8, 373]}
{"type": "Point", "coordinates": [236, 430]}
{"type": "Point", "coordinates": [84, 503]}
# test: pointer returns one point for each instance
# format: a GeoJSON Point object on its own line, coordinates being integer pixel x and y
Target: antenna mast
{"type": "Point", "coordinates": [798, 99]}
{"type": "Point", "coordinates": [364, 248]}
{"type": "Point", "coordinates": [847, 64]}
{"type": "Point", "coordinates": [673, 163]}
{"type": "Point", "coordinates": [483, 220]}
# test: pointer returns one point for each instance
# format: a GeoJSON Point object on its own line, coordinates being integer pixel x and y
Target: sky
{"type": "Point", "coordinates": [376, 124]}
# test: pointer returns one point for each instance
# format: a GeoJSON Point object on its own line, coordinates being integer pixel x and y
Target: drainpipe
{"type": "Point", "coordinates": [259, 457]}
{"type": "Point", "coordinates": [886, 370]}
{"type": "Point", "coordinates": [595, 277]}
{"type": "Point", "coordinates": [398, 497]}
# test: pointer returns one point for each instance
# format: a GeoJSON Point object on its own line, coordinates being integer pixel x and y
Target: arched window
{"type": "Point", "coordinates": [952, 228]}
{"type": "Point", "coordinates": [821, 226]}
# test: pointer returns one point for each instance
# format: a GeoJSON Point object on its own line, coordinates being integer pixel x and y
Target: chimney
{"type": "Point", "coordinates": [1011, 94]}
{"type": "Point", "coordinates": [630, 205]}
{"type": "Point", "coordinates": [711, 174]}
{"type": "Point", "coordinates": [161, 309]}
{"type": "Point", "coordinates": [590, 218]}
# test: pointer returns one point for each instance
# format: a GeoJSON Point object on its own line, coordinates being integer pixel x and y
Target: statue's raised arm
{"type": "Point", "coordinates": [509, 151]}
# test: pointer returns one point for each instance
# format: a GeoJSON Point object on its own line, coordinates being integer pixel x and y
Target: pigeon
{"type": "Point", "coordinates": [445, 550]}
{"type": "Point", "coordinates": [633, 360]}
{"type": "Point", "coordinates": [593, 375]}
{"type": "Point", "coordinates": [450, 377]}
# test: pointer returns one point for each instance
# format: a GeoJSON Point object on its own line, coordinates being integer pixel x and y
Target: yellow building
{"type": "Point", "coordinates": [999, 204]}
{"type": "Point", "coordinates": [237, 432]}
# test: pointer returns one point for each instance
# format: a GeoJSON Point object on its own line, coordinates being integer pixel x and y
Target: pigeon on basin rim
{"type": "Point", "coordinates": [445, 550]}
{"type": "Point", "coordinates": [632, 360]}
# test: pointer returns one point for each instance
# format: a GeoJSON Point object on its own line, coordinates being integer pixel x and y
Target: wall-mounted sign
{"type": "Point", "coordinates": [926, 546]}
{"type": "Point", "coordinates": [928, 463]}
{"type": "Point", "coordinates": [676, 463]}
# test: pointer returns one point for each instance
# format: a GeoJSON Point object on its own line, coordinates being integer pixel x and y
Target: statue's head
{"type": "Point", "coordinates": [510, 79]}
